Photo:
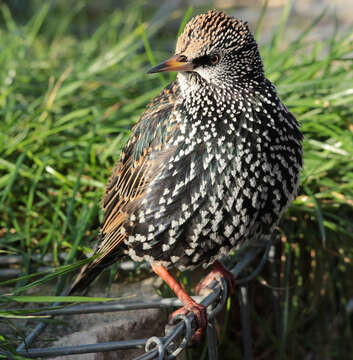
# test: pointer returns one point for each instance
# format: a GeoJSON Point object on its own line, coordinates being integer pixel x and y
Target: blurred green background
{"type": "Point", "coordinates": [72, 84]}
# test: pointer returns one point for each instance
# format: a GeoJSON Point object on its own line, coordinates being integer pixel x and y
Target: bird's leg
{"type": "Point", "coordinates": [218, 270]}
{"type": "Point", "coordinates": [189, 304]}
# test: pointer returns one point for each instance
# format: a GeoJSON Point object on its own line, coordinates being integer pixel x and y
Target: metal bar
{"type": "Point", "coordinates": [158, 343]}
{"type": "Point", "coordinates": [252, 255]}
{"type": "Point", "coordinates": [12, 273]}
{"type": "Point", "coordinates": [36, 331]}
{"type": "Point", "coordinates": [31, 337]}
{"type": "Point", "coordinates": [83, 349]}
{"type": "Point", "coordinates": [275, 282]}
{"type": "Point", "coordinates": [212, 340]}
{"type": "Point", "coordinates": [247, 259]}
{"type": "Point", "coordinates": [17, 259]}
{"type": "Point", "coordinates": [101, 308]}
{"type": "Point", "coordinates": [245, 323]}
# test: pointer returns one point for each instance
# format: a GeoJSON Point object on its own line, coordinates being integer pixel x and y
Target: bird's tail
{"type": "Point", "coordinates": [91, 270]}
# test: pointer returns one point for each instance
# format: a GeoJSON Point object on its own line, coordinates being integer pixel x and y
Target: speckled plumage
{"type": "Point", "coordinates": [212, 162]}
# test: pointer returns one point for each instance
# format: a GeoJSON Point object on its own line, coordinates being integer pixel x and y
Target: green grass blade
{"type": "Point", "coordinates": [259, 22]}
{"type": "Point", "coordinates": [185, 20]}
{"type": "Point", "coordinates": [12, 179]}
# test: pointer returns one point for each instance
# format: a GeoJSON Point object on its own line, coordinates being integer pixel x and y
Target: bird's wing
{"type": "Point", "coordinates": [142, 159]}
{"type": "Point", "coordinates": [139, 163]}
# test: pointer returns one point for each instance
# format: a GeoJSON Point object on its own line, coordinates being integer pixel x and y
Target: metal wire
{"type": "Point", "coordinates": [177, 336]}
{"type": "Point", "coordinates": [187, 323]}
{"type": "Point", "coordinates": [154, 340]}
{"type": "Point", "coordinates": [212, 340]}
{"type": "Point", "coordinates": [245, 323]}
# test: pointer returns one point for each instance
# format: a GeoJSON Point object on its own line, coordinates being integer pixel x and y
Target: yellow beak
{"type": "Point", "coordinates": [175, 63]}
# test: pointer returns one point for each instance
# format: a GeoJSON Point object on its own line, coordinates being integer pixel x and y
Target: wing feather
{"type": "Point", "coordinates": [140, 162]}
{"type": "Point", "coordinates": [143, 158]}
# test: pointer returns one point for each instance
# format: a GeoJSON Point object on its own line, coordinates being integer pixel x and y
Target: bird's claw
{"type": "Point", "coordinates": [200, 313]}
{"type": "Point", "coordinates": [218, 271]}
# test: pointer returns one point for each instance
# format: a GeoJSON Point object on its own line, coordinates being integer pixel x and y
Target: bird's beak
{"type": "Point", "coordinates": [175, 63]}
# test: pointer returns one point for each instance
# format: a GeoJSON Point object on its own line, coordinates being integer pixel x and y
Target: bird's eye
{"type": "Point", "coordinates": [214, 59]}
{"type": "Point", "coordinates": [206, 60]}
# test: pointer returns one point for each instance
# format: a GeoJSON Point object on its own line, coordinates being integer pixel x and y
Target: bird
{"type": "Point", "coordinates": [212, 163]}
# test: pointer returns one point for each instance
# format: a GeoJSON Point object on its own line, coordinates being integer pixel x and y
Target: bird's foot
{"type": "Point", "coordinates": [200, 314]}
{"type": "Point", "coordinates": [218, 271]}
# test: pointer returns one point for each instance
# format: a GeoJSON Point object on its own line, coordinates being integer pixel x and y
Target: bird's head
{"type": "Point", "coordinates": [215, 48]}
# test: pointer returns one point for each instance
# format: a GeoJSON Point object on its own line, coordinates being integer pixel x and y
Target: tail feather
{"type": "Point", "coordinates": [90, 271]}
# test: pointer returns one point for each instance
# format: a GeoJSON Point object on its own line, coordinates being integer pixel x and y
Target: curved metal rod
{"type": "Point", "coordinates": [223, 299]}
{"type": "Point", "coordinates": [187, 323]}
{"type": "Point", "coordinates": [259, 267]}
{"type": "Point", "coordinates": [154, 340]}
{"type": "Point", "coordinates": [37, 330]}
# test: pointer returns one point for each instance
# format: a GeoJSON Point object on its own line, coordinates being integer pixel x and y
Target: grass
{"type": "Point", "coordinates": [71, 87]}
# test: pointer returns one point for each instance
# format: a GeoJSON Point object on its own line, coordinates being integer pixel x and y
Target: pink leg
{"type": "Point", "coordinates": [189, 304]}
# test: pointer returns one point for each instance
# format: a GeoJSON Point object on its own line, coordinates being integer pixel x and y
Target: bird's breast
{"type": "Point", "coordinates": [228, 179]}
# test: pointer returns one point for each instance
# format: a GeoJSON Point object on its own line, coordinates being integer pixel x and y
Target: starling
{"type": "Point", "coordinates": [213, 161]}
